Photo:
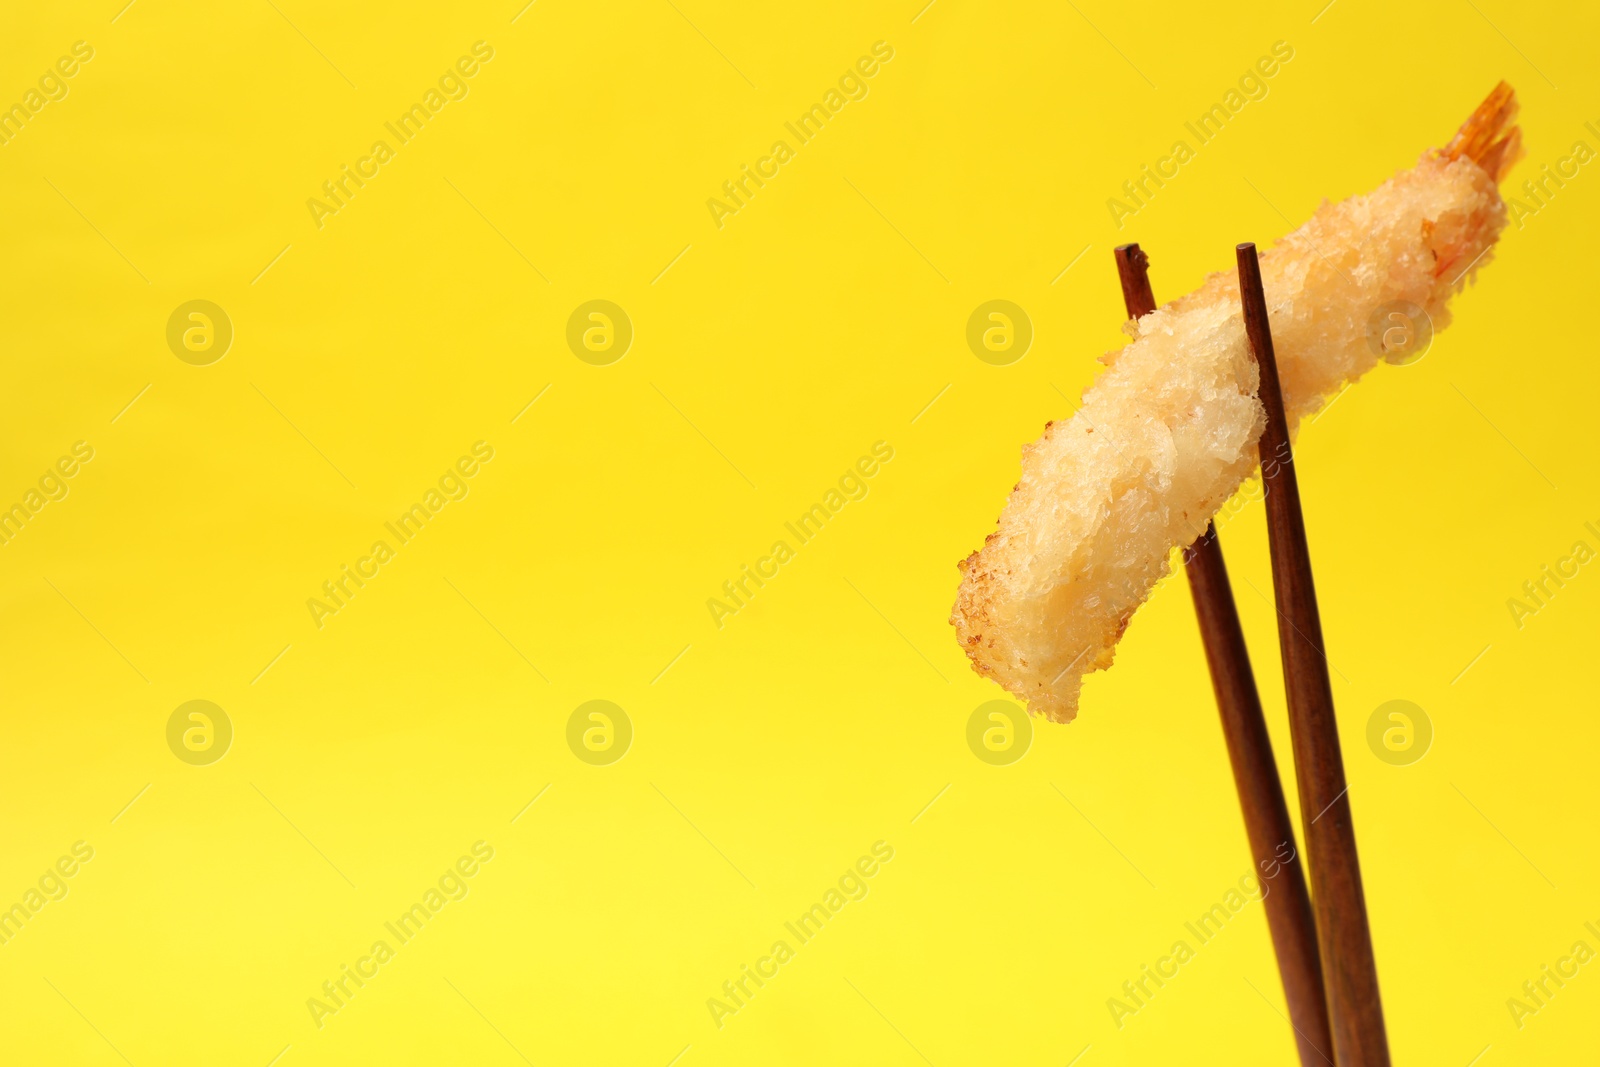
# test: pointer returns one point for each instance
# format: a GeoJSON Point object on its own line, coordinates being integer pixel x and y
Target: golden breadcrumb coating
{"type": "Point", "coordinates": [1168, 432]}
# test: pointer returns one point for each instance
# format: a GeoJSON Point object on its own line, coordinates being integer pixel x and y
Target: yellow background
{"type": "Point", "coordinates": [825, 716]}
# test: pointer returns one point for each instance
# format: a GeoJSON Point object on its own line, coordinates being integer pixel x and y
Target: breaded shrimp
{"type": "Point", "coordinates": [1168, 432]}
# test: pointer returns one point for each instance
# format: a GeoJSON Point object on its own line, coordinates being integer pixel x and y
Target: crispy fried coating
{"type": "Point", "coordinates": [1168, 432]}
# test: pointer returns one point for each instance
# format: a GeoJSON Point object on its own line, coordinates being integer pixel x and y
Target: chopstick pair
{"type": "Point", "coordinates": [1324, 951]}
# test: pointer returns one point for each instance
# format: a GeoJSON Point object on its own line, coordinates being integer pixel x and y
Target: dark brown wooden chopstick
{"type": "Point", "coordinates": [1255, 771]}
{"type": "Point", "coordinates": [1133, 269]}
{"type": "Point", "coordinates": [1349, 970]}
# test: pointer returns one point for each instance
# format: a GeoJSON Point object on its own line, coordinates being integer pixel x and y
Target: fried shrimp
{"type": "Point", "coordinates": [1168, 432]}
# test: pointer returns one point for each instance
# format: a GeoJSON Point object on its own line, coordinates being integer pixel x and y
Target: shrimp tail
{"type": "Point", "coordinates": [1488, 137]}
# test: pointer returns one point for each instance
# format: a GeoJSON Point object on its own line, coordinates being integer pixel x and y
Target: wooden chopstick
{"type": "Point", "coordinates": [1349, 970]}
{"type": "Point", "coordinates": [1255, 771]}
{"type": "Point", "coordinates": [1133, 269]}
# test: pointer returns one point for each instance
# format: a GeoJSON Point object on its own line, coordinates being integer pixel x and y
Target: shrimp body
{"type": "Point", "coordinates": [1168, 432]}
